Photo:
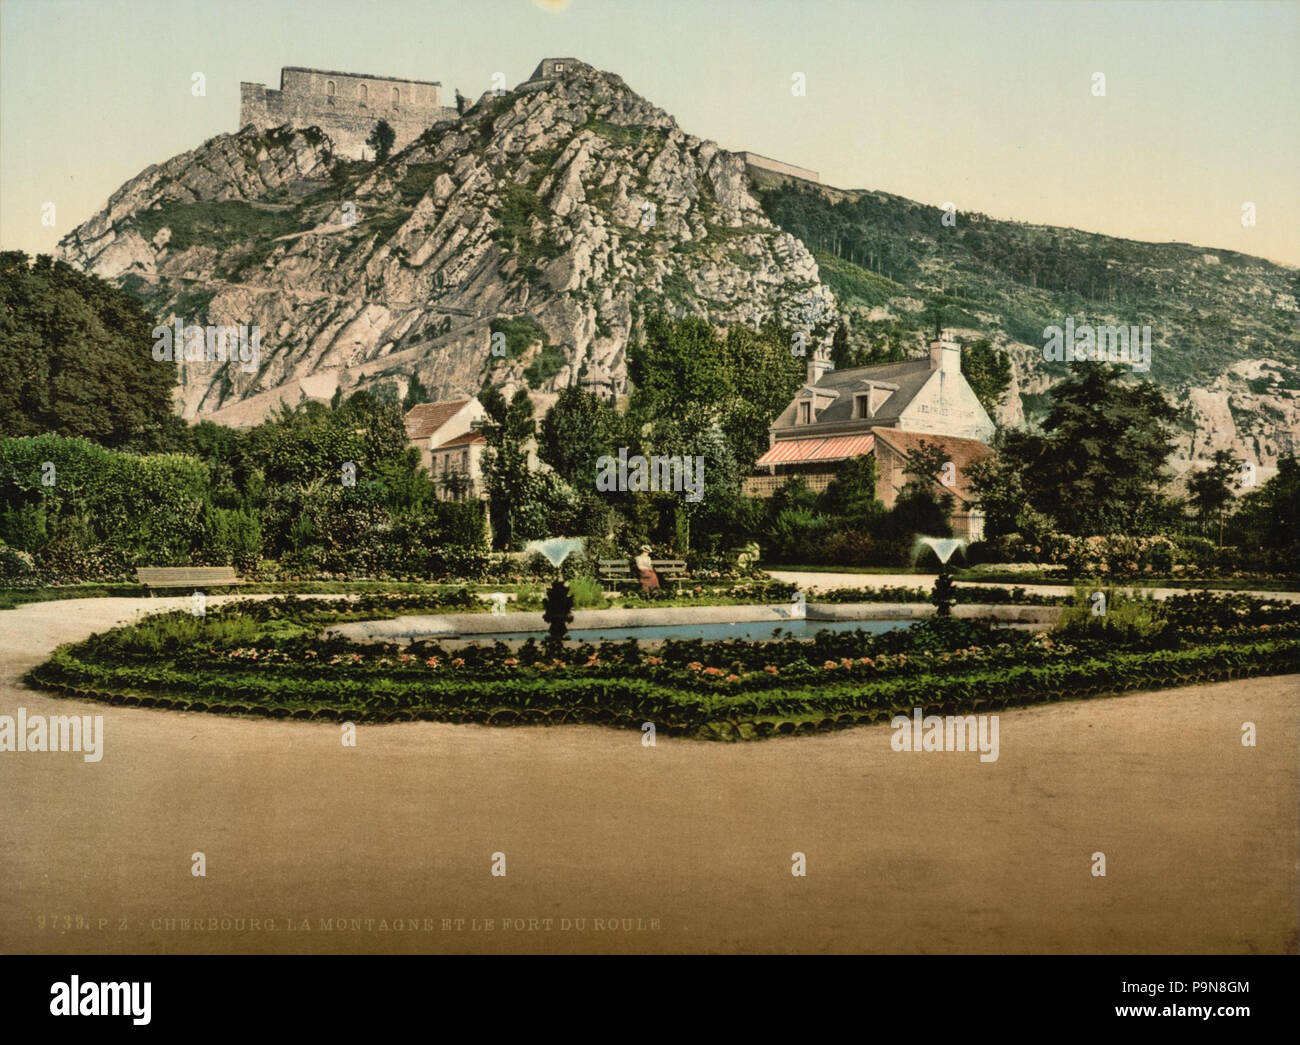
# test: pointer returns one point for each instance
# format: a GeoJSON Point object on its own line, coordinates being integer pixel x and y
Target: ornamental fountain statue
{"type": "Point", "coordinates": [945, 592]}
{"type": "Point", "coordinates": [557, 605]}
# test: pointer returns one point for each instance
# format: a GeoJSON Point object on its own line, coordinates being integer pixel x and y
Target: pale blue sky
{"type": "Point", "coordinates": [988, 105]}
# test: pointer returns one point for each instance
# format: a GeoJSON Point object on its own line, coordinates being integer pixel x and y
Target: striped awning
{"type": "Point", "coordinates": [804, 451]}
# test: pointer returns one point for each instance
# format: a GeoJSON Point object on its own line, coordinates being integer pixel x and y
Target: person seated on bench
{"type": "Point", "coordinates": [649, 579]}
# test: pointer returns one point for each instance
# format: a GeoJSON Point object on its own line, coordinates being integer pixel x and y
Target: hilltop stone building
{"type": "Point", "coordinates": [887, 411]}
{"type": "Point", "coordinates": [346, 106]}
{"type": "Point", "coordinates": [766, 163]}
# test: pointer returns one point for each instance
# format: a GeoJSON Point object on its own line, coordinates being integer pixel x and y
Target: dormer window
{"type": "Point", "coordinates": [862, 406]}
{"type": "Point", "coordinates": [805, 412]}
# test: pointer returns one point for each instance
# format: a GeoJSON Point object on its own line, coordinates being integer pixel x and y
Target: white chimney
{"type": "Point", "coordinates": [945, 356]}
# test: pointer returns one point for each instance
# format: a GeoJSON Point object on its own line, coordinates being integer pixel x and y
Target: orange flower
{"type": "Point", "coordinates": [694, 665]}
{"type": "Point", "coordinates": [733, 678]}
{"type": "Point", "coordinates": [770, 669]}
{"type": "Point", "coordinates": [510, 662]}
{"type": "Point", "coordinates": [459, 662]}
{"type": "Point", "coordinates": [432, 662]}
{"type": "Point", "coordinates": [830, 665]}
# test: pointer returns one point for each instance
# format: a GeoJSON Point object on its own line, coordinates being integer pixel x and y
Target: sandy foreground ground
{"type": "Point", "coordinates": [611, 846]}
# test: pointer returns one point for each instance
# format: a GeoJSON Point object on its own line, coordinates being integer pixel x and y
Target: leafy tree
{"type": "Point", "coordinates": [841, 351]}
{"type": "Point", "coordinates": [988, 372]}
{"type": "Point", "coordinates": [77, 355]}
{"type": "Point", "coordinates": [1099, 466]}
{"type": "Point", "coordinates": [575, 434]}
{"type": "Point", "coordinates": [416, 393]}
{"type": "Point", "coordinates": [512, 488]}
{"type": "Point", "coordinates": [1267, 520]}
{"type": "Point", "coordinates": [381, 140]}
{"type": "Point", "coordinates": [1002, 488]}
{"type": "Point", "coordinates": [852, 493]}
{"type": "Point", "coordinates": [1211, 488]}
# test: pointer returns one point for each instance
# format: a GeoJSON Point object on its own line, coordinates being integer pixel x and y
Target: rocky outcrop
{"type": "Point", "coordinates": [574, 202]}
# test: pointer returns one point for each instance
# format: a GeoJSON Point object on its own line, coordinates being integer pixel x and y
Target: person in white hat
{"type": "Point", "coordinates": [649, 579]}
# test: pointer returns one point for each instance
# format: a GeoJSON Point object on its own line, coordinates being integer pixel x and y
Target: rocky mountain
{"type": "Point", "coordinates": [555, 215]}
{"type": "Point", "coordinates": [1225, 328]}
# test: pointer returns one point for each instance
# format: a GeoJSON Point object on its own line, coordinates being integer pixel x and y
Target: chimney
{"type": "Point", "coordinates": [819, 363]}
{"type": "Point", "coordinates": [945, 356]}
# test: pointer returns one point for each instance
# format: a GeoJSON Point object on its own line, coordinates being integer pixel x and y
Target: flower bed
{"type": "Point", "coordinates": [269, 659]}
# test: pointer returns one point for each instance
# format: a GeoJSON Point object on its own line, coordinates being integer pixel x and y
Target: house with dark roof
{"type": "Point", "coordinates": [887, 411]}
{"type": "Point", "coordinates": [450, 444]}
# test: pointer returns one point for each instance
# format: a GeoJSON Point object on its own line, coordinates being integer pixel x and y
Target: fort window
{"type": "Point", "coordinates": [330, 91]}
{"type": "Point", "coordinates": [363, 94]}
{"type": "Point", "coordinates": [397, 98]}
{"type": "Point", "coordinates": [559, 67]}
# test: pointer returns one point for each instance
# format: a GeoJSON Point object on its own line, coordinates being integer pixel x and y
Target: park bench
{"type": "Point", "coordinates": [186, 576]}
{"type": "Point", "coordinates": [619, 571]}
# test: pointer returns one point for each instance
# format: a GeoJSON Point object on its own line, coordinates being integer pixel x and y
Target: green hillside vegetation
{"type": "Point", "coordinates": [1005, 277]}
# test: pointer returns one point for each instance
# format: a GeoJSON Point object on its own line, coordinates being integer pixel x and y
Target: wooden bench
{"type": "Point", "coordinates": [616, 572]}
{"type": "Point", "coordinates": [186, 576]}
{"type": "Point", "coordinates": [619, 571]}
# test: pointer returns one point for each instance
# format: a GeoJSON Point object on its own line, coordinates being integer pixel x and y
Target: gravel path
{"type": "Point", "coordinates": [685, 846]}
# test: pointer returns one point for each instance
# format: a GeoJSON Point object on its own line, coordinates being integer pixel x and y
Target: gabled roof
{"type": "Point", "coordinates": [424, 419]}
{"type": "Point", "coordinates": [909, 376]}
{"type": "Point", "coordinates": [463, 440]}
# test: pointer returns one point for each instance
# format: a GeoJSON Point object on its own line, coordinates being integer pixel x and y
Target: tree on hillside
{"type": "Point", "coordinates": [1211, 488]}
{"type": "Point", "coordinates": [841, 351]}
{"type": "Point", "coordinates": [381, 140]}
{"type": "Point", "coordinates": [76, 355]}
{"type": "Point", "coordinates": [988, 372]}
{"type": "Point", "coordinates": [416, 393]}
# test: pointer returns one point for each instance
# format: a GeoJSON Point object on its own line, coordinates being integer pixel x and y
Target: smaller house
{"type": "Point", "coordinates": [451, 447]}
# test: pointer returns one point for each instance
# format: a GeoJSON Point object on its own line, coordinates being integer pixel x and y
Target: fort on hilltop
{"type": "Point", "coordinates": [346, 106]}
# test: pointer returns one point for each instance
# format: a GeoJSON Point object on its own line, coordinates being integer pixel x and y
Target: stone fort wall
{"type": "Point", "coordinates": [346, 106]}
{"type": "Point", "coordinates": [768, 164]}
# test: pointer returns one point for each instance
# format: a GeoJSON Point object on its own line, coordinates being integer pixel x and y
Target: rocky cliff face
{"type": "Point", "coordinates": [571, 203]}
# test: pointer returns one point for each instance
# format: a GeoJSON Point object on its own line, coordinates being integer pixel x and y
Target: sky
{"type": "Point", "coordinates": [991, 106]}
